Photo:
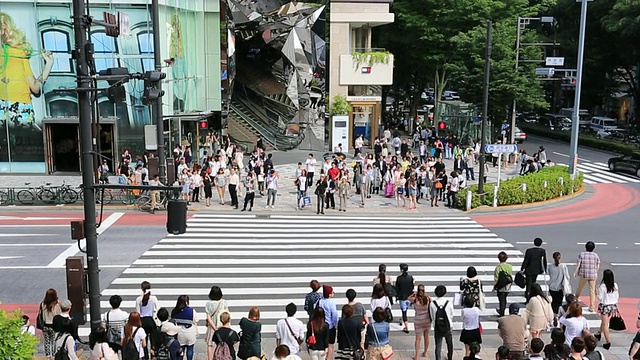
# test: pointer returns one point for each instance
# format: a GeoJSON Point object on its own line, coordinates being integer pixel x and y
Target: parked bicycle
{"type": "Point", "coordinates": [42, 193]}
{"type": "Point", "coordinates": [4, 197]}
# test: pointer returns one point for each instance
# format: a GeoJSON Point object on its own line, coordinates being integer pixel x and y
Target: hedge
{"type": "Point", "coordinates": [511, 191]}
{"type": "Point", "coordinates": [584, 139]}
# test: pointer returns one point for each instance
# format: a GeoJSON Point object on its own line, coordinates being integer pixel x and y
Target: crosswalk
{"type": "Point", "coordinates": [598, 173]}
{"type": "Point", "coordinates": [268, 261]}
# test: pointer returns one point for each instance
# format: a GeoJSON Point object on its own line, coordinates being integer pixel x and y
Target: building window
{"type": "Point", "coordinates": [57, 42]}
{"type": "Point", "coordinates": [145, 45]}
{"type": "Point", "coordinates": [105, 51]}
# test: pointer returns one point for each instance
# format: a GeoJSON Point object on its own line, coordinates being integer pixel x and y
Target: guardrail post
{"type": "Point", "coordinates": [469, 199]}
{"type": "Point", "coordinates": [495, 196]}
{"type": "Point", "coordinates": [524, 190]}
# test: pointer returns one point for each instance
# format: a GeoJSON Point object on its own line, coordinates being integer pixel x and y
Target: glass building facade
{"type": "Point", "coordinates": [38, 108]}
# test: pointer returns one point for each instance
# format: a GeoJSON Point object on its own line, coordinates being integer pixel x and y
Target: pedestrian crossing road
{"type": "Point", "coordinates": [268, 261]}
{"type": "Point", "coordinates": [598, 173]}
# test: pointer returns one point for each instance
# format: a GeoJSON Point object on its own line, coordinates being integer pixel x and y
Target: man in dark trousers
{"type": "Point", "coordinates": [534, 264]}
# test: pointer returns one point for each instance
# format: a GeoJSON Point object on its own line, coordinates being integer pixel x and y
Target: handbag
{"type": "Point", "coordinates": [616, 322]}
{"type": "Point", "coordinates": [520, 280]}
{"type": "Point", "coordinates": [457, 299]}
{"type": "Point", "coordinates": [311, 340]}
{"type": "Point", "coordinates": [566, 282]}
{"type": "Point", "coordinates": [113, 335]}
{"type": "Point", "coordinates": [40, 324]}
{"type": "Point", "coordinates": [438, 185]}
{"type": "Point", "coordinates": [389, 315]}
{"type": "Point", "coordinates": [387, 351]}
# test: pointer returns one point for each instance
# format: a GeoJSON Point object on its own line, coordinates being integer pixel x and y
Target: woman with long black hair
{"type": "Point", "coordinates": [185, 316]}
{"type": "Point", "coordinates": [539, 312]}
{"type": "Point", "coordinates": [319, 330]}
{"type": "Point", "coordinates": [147, 307]}
{"type": "Point", "coordinates": [608, 297]}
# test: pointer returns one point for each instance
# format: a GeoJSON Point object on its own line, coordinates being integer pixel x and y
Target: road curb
{"type": "Point", "coordinates": [490, 209]}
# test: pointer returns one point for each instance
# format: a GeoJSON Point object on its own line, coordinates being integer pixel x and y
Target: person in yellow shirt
{"type": "Point", "coordinates": [17, 81]}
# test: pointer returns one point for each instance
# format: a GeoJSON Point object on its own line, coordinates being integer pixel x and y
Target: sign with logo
{"type": "Point", "coordinates": [364, 98]}
{"type": "Point", "coordinates": [500, 148]}
{"type": "Point", "coordinates": [554, 61]}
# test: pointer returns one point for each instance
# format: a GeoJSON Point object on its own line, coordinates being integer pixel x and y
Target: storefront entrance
{"type": "Point", "coordinates": [365, 121]}
{"type": "Point", "coordinates": [63, 146]}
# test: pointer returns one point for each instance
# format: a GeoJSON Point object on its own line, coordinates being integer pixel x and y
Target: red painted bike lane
{"type": "Point", "coordinates": [59, 218]}
{"type": "Point", "coordinates": [608, 199]}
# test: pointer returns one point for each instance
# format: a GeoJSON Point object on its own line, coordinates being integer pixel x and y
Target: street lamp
{"type": "Point", "coordinates": [522, 24]}
{"type": "Point", "coordinates": [575, 125]}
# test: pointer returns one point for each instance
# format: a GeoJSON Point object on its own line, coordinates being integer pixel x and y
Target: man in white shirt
{"type": "Point", "coordinates": [155, 195]}
{"type": "Point", "coordinates": [290, 331]}
{"type": "Point", "coordinates": [311, 169]}
{"type": "Point", "coordinates": [115, 318]}
{"type": "Point", "coordinates": [442, 330]}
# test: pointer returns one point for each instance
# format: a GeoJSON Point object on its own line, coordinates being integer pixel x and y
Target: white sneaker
{"type": "Point", "coordinates": [273, 206]}
{"type": "Point", "coordinates": [266, 207]}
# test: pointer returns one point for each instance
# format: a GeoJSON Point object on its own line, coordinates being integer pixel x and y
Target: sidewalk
{"type": "Point", "coordinates": [286, 199]}
{"type": "Point", "coordinates": [403, 347]}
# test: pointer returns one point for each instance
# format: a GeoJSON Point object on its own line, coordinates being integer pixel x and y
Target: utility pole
{"type": "Point", "coordinates": [485, 109]}
{"type": "Point", "coordinates": [575, 119]}
{"type": "Point", "coordinates": [157, 106]}
{"type": "Point", "coordinates": [512, 137]}
{"type": "Point", "coordinates": [83, 54]}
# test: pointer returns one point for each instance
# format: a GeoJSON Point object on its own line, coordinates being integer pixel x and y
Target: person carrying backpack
{"type": "Point", "coordinates": [168, 347]}
{"type": "Point", "coordinates": [225, 338]}
{"type": "Point", "coordinates": [65, 343]}
{"type": "Point", "coordinates": [441, 311]}
{"type": "Point", "coordinates": [134, 338]}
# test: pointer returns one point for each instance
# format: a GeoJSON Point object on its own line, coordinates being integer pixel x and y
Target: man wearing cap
{"type": "Point", "coordinates": [330, 316]}
{"type": "Point", "coordinates": [513, 332]}
{"type": "Point", "coordinates": [59, 320]}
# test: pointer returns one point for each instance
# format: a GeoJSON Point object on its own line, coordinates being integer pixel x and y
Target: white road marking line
{"type": "Point", "coordinates": [60, 260]}
{"type": "Point", "coordinates": [597, 243]}
{"type": "Point", "coordinates": [38, 267]}
{"type": "Point", "coordinates": [345, 244]}
{"type": "Point", "coordinates": [36, 245]}
{"type": "Point", "coordinates": [625, 264]}
{"type": "Point", "coordinates": [586, 181]}
{"type": "Point", "coordinates": [560, 154]}
{"type": "Point", "coordinates": [228, 253]}
{"type": "Point", "coordinates": [25, 235]}
{"type": "Point", "coordinates": [325, 261]}
{"type": "Point", "coordinates": [528, 242]}
{"type": "Point", "coordinates": [10, 257]}
{"type": "Point", "coordinates": [33, 225]}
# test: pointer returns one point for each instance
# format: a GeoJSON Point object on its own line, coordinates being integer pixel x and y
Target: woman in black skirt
{"type": "Point", "coordinates": [470, 324]}
{"type": "Point", "coordinates": [208, 183]}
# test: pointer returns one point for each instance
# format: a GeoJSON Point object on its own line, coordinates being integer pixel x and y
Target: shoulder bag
{"type": "Point", "coordinates": [300, 341]}
{"type": "Point", "coordinates": [387, 351]}
{"type": "Point", "coordinates": [40, 324]}
{"type": "Point", "coordinates": [482, 302]}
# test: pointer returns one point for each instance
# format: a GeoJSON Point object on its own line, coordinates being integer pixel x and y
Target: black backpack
{"type": "Point", "coordinates": [130, 350]}
{"type": "Point", "coordinates": [441, 322]}
{"type": "Point", "coordinates": [63, 353]}
{"type": "Point", "coordinates": [163, 352]}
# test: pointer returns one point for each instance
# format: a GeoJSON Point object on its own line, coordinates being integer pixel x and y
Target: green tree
{"type": "Point", "coordinates": [14, 345]}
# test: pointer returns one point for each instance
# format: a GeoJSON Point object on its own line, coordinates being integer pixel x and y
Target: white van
{"type": "Point", "coordinates": [603, 123]}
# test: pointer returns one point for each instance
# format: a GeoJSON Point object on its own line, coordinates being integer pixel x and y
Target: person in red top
{"type": "Point", "coordinates": [333, 172]}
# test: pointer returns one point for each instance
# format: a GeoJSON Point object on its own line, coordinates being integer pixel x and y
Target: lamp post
{"type": "Point", "coordinates": [522, 24]}
{"type": "Point", "coordinates": [575, 125]}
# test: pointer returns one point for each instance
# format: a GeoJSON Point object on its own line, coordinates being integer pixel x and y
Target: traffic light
{"type": "Point", "coordinates": [116, 92]}
{"type": "Point", "coordinates": [442, 125]}
{"type": "Point", "coordinates": [203, 124]}
{"type": "Point", "coordinates": [151, 92]}
{"type": "Point", "coordinates": [569, 82]}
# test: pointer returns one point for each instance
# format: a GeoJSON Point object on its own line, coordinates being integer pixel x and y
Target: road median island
{"type": "Point", "coordinates": [586, 140]}
{"type": "Point", "coordinates": [547, 184]}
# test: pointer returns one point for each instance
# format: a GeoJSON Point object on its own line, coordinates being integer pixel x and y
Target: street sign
{"type": "Point", "coordinates": [124, 24]}
{"type": "Point", "coordinates": [505, 126]}
{"type": "Point", "coordinates": [554, 61]}
{"type": "Point", "coordinates": [548, 72]}
{"type": "Point", "coordinates": [500, 148]}
{"type": "Point", "coordinates": [477, 120]}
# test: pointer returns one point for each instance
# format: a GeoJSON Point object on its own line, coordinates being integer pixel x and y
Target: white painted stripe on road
{"type": "Point", "coordinates": [334, 232]}
{"type": "Point", "coordinates": [294, 270]}
{"type": "Point", "coordinates": [279, 280]}
{"type": "Point", "coordinates": [602, 164]}
{"type": "Point", "coordinates": [36, 267]}
{"type": "Point", "coordinates": [314, 238]}
{"type": "Point", "coordinates": [597, 243]}
{"type": "Point", "coordinates": [37, 218]}
{"type": "Point", "coordinates": [600, 180]}
{"type": "Point", "coordinates": [10, 257]}
{"type": "Point", "coordinates": [33, 225]}
{"type": "Point", "coordinates": [367, 252]}
{"type": "Point", "coordinates": [497, 245]}
{"type": "Point", "coordinates": [528, 242]}
{"type": "Point", "coordinates": [369, 218]}
{"type": "Point", "coordinates": [587, 181]}
{"type": "Point", "coordinates": [61, 259]}
{"type": "Point", "coordinates": [276, 227]}
{"type": "Point", "coordinates": [26, 235]}
{"type": "Point", "coordinates": [605, 171]}
{"type": "Point", "coordinates": [445, 238]}
{"type": "Point", "coordinates": [326, 261]}
{"type": "Point", "coordinates": [560, 154]}
{"type": "Point", "coordinates": [625, 264]}
{"type": "Point", "coordinates": [35, 245]}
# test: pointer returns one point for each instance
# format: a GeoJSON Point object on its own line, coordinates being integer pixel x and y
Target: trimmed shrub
{"type": "Point", "coordinates": [14, 345]}
{"type": "Point", "coordinates": [512, 192]}
{"type": "Point", "coordinates": [584, 139]}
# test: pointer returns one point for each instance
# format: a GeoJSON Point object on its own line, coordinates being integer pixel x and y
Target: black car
{"type": "Point", "coordinates": [626, 163]}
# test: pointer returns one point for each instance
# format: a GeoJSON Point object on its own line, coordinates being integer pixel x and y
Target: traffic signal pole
{"type": "Point", "coordinates": [82, 52]}
{"type": "Point", "coordinates": [157, 106]}
{"type": "Point", "coordinates": [485, 109]}
{"type": "Point", "coordinates": [575, 119]}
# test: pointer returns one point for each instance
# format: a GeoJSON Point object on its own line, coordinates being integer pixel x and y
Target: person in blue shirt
{"type": "Point", "coordinates": [378, 335]}
{"type": "Point", "coordinates": [331, 315]}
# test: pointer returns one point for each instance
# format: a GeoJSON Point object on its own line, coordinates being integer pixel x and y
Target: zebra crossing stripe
{"type": "Point", "coordinates": [598, 173]}
{"type": "Point", "coordinates": [269, 261]}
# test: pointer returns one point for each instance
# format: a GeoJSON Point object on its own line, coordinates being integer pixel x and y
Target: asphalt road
{"type": "Point", "coordinates": [559, 151]}
{"type": "Point", "coordinates": [33, 252]}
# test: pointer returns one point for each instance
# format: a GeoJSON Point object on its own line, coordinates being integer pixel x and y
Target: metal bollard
{"type": "Point", "coordinates": [524, 189]}
{"type": "Point", "coordinates": [561, 180]}
{"type": "Point", "coordinates": [469, 199]}
{"type": "Point", "coordinates": [495, 196]}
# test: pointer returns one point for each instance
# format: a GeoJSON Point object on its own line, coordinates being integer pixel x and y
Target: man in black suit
{"type": "Point", "coordinates": [459, 165]}
{"type": "Point", "coordinates": [534, 264]}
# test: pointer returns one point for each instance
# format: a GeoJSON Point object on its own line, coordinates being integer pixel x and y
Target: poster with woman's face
{"type": "Point", "coordinates": [19, 84]}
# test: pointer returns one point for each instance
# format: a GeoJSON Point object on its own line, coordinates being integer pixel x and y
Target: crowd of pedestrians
{"type": "Point", "coordinates": [360, 330]}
